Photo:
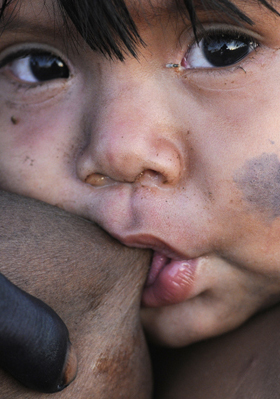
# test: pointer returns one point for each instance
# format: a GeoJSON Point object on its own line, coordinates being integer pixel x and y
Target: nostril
{"type": "Point", "coordinates": [150, 177]}
{"type": "Point", "coordinates": [97, 179]}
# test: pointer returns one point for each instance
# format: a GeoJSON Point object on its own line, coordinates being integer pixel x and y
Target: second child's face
{"type": "Point", "coordinates": [181, 160]}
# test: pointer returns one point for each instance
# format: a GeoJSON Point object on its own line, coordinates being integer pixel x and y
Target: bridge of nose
{"type": "Point", "coordinates": [133, 129]}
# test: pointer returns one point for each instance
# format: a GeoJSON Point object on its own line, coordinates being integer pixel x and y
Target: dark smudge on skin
{"type": "Point", "coordinates": [14, 120]}
{"type": "Point", "coordinates": [259, 181]}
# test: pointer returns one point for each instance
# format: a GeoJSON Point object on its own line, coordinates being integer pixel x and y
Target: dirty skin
{"type": "Point", "coordinates": [14, 120]}
{"type": "Point", "coordinates": [259, 181]}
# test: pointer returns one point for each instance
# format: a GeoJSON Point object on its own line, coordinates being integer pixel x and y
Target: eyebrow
{"type": "Point", "coordinates": [14, 22]}
{"type": "Point", "coordinates": [20, 24]}
{"type": "Point", "coordinates": [12, 18]}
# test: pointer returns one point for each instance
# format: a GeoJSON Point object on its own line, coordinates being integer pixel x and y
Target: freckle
{"type": "Point", "coordinates": [14, 120]}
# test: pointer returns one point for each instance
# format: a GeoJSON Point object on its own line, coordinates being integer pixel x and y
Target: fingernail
{"type": "Point", "coordinates": [70, 368]}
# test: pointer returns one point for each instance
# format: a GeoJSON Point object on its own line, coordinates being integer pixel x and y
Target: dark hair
{"type": "Point", "coordinates": [107, 26]}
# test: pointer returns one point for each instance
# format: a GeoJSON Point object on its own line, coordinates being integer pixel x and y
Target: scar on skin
{"type": "Point", "coordinates": [259, 181]}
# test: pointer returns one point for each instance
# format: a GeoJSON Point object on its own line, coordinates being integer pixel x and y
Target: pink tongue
{"type": "Point", "coordinates": [169, 282]}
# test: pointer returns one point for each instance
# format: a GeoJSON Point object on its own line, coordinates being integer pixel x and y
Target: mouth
{"type": "Point", "coordinates": [171, 276]}
{"type": "Point", "coordinates": [170, 281]}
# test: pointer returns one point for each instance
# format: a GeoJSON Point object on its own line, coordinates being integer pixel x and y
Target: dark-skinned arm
{"type": "Point", "coordinates": [34, 342]}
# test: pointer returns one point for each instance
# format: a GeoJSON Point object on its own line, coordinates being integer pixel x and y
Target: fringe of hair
{"type": "Point", "coordinates": [107, 26]}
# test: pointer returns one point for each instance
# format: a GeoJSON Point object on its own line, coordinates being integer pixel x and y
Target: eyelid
{"type": "Point", "coordinates": [23, 50]}
{"type": "Point", "coordinates": [187, 38]}
{"type": "Point", "coordinates": [226, 28]}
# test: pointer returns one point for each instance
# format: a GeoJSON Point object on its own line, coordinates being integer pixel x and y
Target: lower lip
{"type": "Point", "coordinates": [169, 282]}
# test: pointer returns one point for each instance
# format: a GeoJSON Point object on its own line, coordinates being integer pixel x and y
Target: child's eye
{"type": "Point", "coordinates": [35, 66]}
{"type": "Point", "coordinates": [219, 49]}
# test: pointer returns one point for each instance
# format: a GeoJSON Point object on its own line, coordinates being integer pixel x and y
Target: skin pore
{"type": "Point", "coordinates": [159, 157]}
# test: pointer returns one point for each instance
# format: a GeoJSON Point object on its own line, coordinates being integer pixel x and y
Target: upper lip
{"type": "Point", "coordinates": [156, 244]}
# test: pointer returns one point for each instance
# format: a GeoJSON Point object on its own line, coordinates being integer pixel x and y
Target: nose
{"type": "Point", "coordinates": [132, 138]}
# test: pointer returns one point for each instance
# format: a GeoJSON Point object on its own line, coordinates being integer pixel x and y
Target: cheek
{"type": "Point", "coordinates": [259, 181]}
{"type": "Point", "coordinates": [239, 125]}
{"type": "Point", "coordinates": [37, 145]}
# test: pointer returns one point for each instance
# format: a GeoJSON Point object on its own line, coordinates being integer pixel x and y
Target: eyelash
{"type": "Point", "coordinates": [22, 54]}
{"type": "Point", "coordinates": [17, 55]}
{"type": "Point", "coordinates": [218, 33]}
{"type": "Point", "coordinates": [224, 30]}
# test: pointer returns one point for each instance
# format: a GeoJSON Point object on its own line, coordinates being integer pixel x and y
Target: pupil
{"type": "Point", "coordinates": [47, 67]}
{"type": "Point", "coordinates": [224, 50]}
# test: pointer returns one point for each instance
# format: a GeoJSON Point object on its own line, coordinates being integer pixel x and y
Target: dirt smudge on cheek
{"type": "Point", "coordinates": [259, 181]}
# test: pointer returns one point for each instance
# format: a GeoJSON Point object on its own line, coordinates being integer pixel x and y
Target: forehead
{"type": "Point", "coordinates": [157, 7]}
{"type": "Point", "coordinates": [152, 7]}
{"type": "Point", "coordinates": [115, 26]}
{"type": "Point", "coordinates": [149, 7]}
{"type": "Point", "coordinates": [142, 10]}
{"type": "Point", "coordinates": [20, 14]}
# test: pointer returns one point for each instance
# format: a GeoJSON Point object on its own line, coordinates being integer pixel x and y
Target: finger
{"type": "Point", "coordinates": [34, 341]}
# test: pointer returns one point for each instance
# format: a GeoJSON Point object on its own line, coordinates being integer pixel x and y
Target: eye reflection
{"type": "Point", "coordinates": [37, 66]}
{"type": "Point", "coordinates": [219, 49]}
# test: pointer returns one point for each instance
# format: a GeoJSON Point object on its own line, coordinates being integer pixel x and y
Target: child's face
{"type": "Point", "coordinates": [181, 160]}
